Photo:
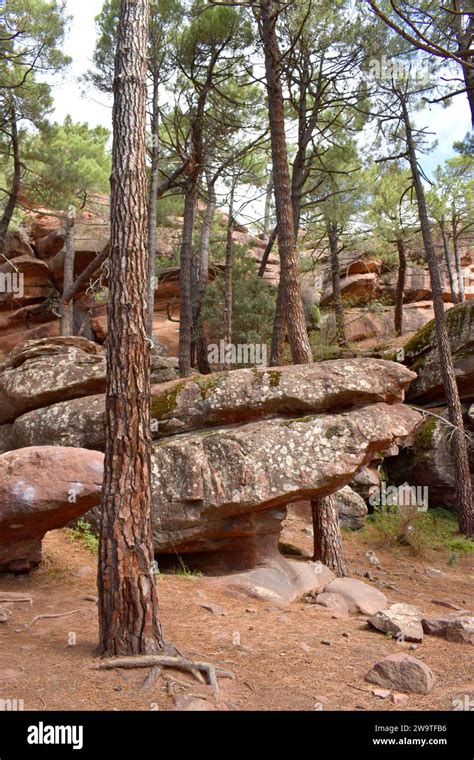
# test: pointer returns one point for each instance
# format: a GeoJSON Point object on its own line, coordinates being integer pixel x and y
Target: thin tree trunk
{"type": "Point", "coordinates": [267, 251]}
{"type": "Point", "coordinates": [67, 309]}
{"type": "Point", "coordinates": [185, 271]}
{"type": "Point", "coordinates": [290, 277]}
{"type": "Point", "coordinates": [327, 535]}
{"type": "Point", "coordinates": [153, 201]}
{"type": "Point", "coordinates": [202, 275]}
{"type": "Point", "coordinates": [279, 329]}
{"type": "Point", "coordinates": [16, 182]}
{"type": "Point", "coordinates": [460, 451]}
{"type": "Point", "coordinates": [401, 283]}
{"type": "Point", "coordinates": [457, 261]}
{"type": "Point", "coordinates": [447, 258]}
{"type": "Point", "coordinates": [267, 219]}
{"type": "Point", "coordinates": [128, 604]}
{"type": "Point", "coordinates": [229, 262]}
{"type": "Point", "coordinates": [336, 285]}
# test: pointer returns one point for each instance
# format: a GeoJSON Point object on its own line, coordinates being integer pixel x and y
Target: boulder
{"type": "Point", "coordinates": [43, 488]}
{"type": "Point", "coordinates": [428, 459]}
{"type": "Point", "coordinates": [402, 672]}
{"type": "Point", "coordinates": [280, 580]}
{"type": "Point", "coordinates": [220, 494]}
{"type": "Point", "coordinates": [421, 355]}
{"type": "Point", "coordinates": [245, 394]}
{"type": "Point", "coordinates": [334, 602]}
{"type": "Point", "coordinates": [352, 508]}
{"type": "Point", "coordinates": [79, 423]}
{"type": "Point", "coordinates": [34, 281]}
{"type": "Point", "coordinates": [458, 627]}
{"type": "Point", "coordinates": [403, 621]}
{"type": "Point", "coordinates": [40, 373]}
{"type": "Point", "coordinates": [356, 288]}
{"type": "Point", "coordinates": [359, 595]}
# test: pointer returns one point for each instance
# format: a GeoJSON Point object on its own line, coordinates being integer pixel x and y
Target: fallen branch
{"type": "Point", "coordinates": [49, 617]}
{"type": "Point", "coordinates": [11, 597]}
{"type": "Point", "coordinates": [167, 661]}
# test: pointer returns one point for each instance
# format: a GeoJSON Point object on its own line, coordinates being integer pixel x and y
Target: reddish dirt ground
{"type": "Point", "coordinates": [280, 663]}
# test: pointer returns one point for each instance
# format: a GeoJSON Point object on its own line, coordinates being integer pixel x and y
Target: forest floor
{"type": "Point", "coordinates": [281, 662]}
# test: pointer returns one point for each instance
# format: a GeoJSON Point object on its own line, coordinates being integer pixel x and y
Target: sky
{"type": "Point", "coordinates": [85, 104]}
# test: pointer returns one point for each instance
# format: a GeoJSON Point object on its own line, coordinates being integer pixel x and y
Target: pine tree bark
{"type": "Point", "coordinates": [228, 271]}
{"type": "Point", "coordinates": [202, 275]}
{"type": "Point", "coordinates": [291, 298]}
{"type": "Point", "coordinates": [447, 259]}
{"type": "Point", "coordinates": [185, 276]}
{"type": "Point", "coordinates": [460, 450]}
{"type": "Point", "coordinates": [67, 309]}
{"type": "Point", "coordinates": [336, 285]}
{"type": "Point", "coordinates": [327, 535]}
{"type": "Point", "coordinates": [153, 201]}
{"type": "Point", "coordinates": [128, 605]}
{"type": "Point", "coordinates": [400, 287]}
{"type": "Point", "coordinates": [458, 264]}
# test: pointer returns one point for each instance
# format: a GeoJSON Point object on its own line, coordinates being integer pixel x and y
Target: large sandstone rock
{"type": "Point", "coordinates": [428, 460]}
{"type": "Point", "coordinates": [359, 595]}
{"type": "Point", "coordinates": [39, 373]}
{"type": "Point", "coordinates": [41, 489]}
{"type": "Point", "coordinates": [230, 397]}
{"type": "Point", "coordinates": [422, 357]}
{"type": "Point", "coordinates": [235, 397]}
{"type": "Point", "coordinates": [403, 672]}
{"type": "Point", "coordinates": [458, 627]}
{"type": "Point", "coordinates": [280, 580]}
{"type": "Point", "coordinates": [369, 326]}
{"type": "Point", "coordinates": [403, 621]}
{"type": "Point", "coordinates": [222, 492]}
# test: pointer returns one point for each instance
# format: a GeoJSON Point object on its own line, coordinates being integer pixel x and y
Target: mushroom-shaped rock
{"type": "Point", "coordinates": [43, 488]}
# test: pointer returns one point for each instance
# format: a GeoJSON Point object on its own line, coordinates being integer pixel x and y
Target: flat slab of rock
{"type": "Point", "coordinates": [246, 394]}
{"type": "Point", "coordinates": [359, 595]}
{"type": "Point", "coordinates": [457, 627]}
{"type": "Point", "coordinates": [334, 602]}
{"type": "Point", "coordinates": [402, 672]}
{"type": "Point", "coordinates": [403, 621]}
{"type": "Point", "coordinates": [282, 581]}
{"type": "Point", "coordinates": [42, 489]}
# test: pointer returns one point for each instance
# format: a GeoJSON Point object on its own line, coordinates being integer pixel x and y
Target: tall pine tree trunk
{"type": "Point", "coordinates": [327, 535]}
{"type": "Point", "coordinates": [202, 275]}
{"type": "Point", "coordinates": [67, 310]}
{"type": "Point", "coordinates": [228, 271]}
{"type": "Point", "coordinates": [336, 285]}
{"type": "Point", "coordinates": [291, 298]}
{"type": "Point", "coordinates": [185, 273]}
{"type": "Point", "coordinates": [400, 288]}
{"type": "Point", "coordinates": [128, 605]}
{"type": "Point", "coordinates": [447, 258]}
{"type": "Point", "coordinates": [458, 264]}
{"type": "Point", "coordinates": [153, 201]}
{"type": "Point", "coordinates": [459, 443]}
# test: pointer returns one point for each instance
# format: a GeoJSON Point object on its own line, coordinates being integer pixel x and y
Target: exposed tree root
{"type": "Point", "coordinates": [169, 661]}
